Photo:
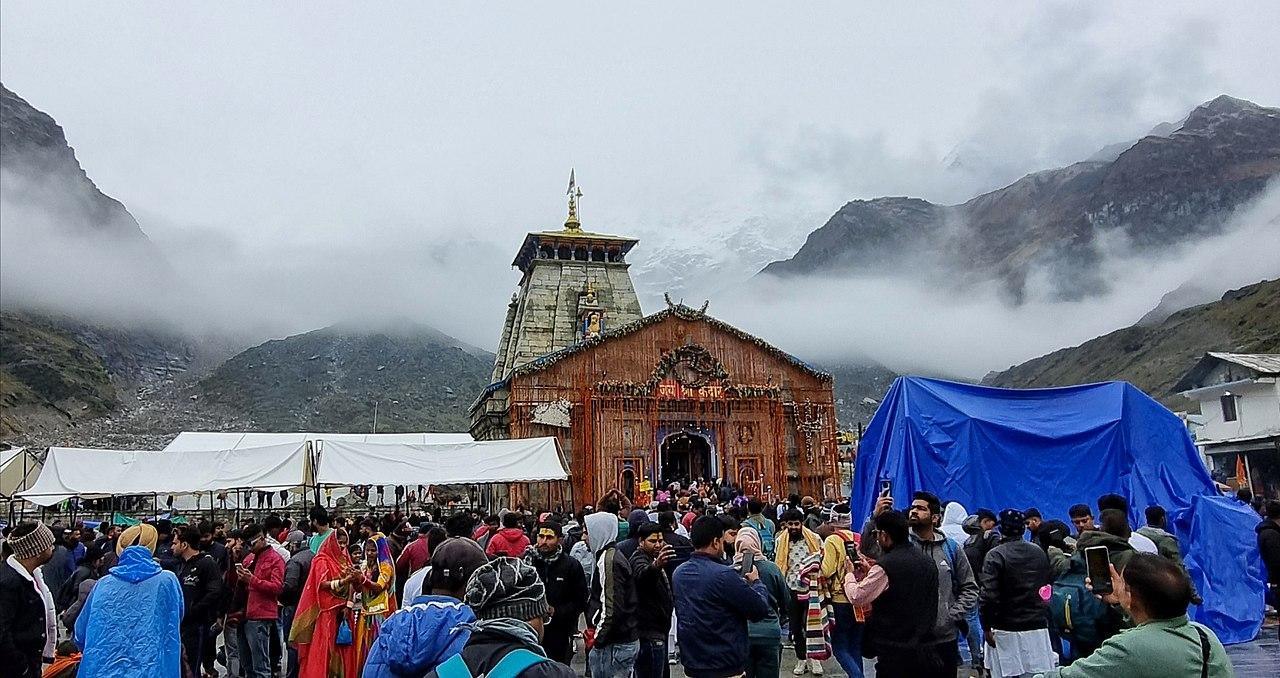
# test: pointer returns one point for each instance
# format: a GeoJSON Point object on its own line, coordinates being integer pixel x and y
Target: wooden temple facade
{"type": "Point", "coordinates": [638, 402]}
{"type": "Point", "coordinates": [674, 396]}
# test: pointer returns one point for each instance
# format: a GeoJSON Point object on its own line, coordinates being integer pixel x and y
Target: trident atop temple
{"type": "Point", "coordinates": [572, 223]}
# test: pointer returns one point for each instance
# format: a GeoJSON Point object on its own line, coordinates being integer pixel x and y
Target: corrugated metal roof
{"type": "Point", "coordinates": [1265, 363]}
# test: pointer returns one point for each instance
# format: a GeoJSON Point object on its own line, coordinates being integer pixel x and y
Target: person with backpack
{"type": "Point", "coordinates": [846, 632]}
{"type": "Point", "coordinates": [1155, 593]}
{"type": "Point", "coordinates": [762, 525]}
{"type": "Point", "coordinates": [957, 586]}
{"type": "Point", "coordinates": [1013, 613]}
{"type": "Point", "coordinates": [510, 605]}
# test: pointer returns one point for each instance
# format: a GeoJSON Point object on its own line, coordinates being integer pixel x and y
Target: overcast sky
{"type": "Point", "coordinates": [264, 129]}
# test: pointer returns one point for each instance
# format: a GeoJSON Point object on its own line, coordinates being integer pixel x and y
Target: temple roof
{"type": "Point", "coordinates": [677, 310]}
{"type": "Point", "coordinates": [571, 236]}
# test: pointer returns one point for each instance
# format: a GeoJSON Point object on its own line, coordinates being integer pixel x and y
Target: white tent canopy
{"type": "Point", "coordinates": [493, 461]}
{"type": "Point", "coordinates": [206, 440]}
{"type": "Point", "coordinates": [88, 473]}
{"type": "Point", "coordinates": [18, 471]}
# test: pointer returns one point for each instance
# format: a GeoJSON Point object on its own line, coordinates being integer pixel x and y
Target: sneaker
{"type": "Point", "coordinates": [815, 667]}
{"type": "Point", "coordinates": [801, 666]}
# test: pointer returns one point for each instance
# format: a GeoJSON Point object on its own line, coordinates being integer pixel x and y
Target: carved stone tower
{"type": "Point", "coordinates": [575, 286]}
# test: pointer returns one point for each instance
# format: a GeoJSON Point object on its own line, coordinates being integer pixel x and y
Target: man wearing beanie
{"type": "Point", "coordinates": [510, 605]}
{"type": "Point", "coordinates": [27, 630]}
{"type": "Point", "coordinates": [1013, 612]}
{"type": "Point", "coordinates": [566, 590]}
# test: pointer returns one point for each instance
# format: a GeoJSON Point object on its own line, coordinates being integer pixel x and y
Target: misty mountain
{"type": "Point", "coordinates": [1154, 356]}
{"type": "Point", "coordinates": [329, 380]}
{"type": "Point", "coordinates": [39, 169]}
{"type": "Point", "coordinates": [859, 386]}
{"type": "Point", "coordinates": [1164, 190]}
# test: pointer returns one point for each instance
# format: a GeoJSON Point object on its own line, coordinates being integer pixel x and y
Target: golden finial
{"type": "Point", "coordinates": [572, 223]}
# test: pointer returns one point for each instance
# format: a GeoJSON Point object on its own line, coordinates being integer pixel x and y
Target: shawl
{"type": "Point", "coordinates": [383, 601]}
{"type": "Point", "coordinates": [315, 624]}
{"type": "Point", "coordinates": [783, 546]}
{"type": "Point", "coordinates": [817, 620]}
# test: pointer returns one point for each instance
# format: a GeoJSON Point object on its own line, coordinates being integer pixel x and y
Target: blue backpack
{"type": "Point", "coordinates": [509, 666]}
{"type": "Point", "coordinates": [766, 535]}
{"type": "Point", "coordinates": [1076, 613]}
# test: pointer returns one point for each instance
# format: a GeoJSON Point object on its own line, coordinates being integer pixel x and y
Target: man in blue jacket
{"type": "Point", "coordinates": [713, 605]}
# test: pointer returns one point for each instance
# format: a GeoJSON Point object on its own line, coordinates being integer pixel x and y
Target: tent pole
{"type": "Point", "coordinates": [1248, 473]}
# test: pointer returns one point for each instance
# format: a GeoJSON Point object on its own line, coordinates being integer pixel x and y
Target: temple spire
{"type": "Point", "coordinates": [572, 223]}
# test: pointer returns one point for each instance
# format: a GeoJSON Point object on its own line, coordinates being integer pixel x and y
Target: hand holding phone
{"type": "Point", "coordinates": [748, 563]}
{"type": "Point", "coordinates": [1099, 567]}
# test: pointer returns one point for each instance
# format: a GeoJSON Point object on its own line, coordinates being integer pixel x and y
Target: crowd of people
{"type": "Point", "coordinates": [721, 585]}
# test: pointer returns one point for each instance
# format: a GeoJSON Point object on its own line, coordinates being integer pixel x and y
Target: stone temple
{"type": "Point", "coordinates": [639, 402]}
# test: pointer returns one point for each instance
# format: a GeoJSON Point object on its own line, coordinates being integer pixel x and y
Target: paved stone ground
{"type": "Point", "coordinates": [1257, 659]}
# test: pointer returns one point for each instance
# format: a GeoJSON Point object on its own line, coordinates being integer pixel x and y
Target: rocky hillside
{"type": "Point", "coordinates": [329, 379]}
{"type": "Point", "coordinates": [859, 386]}
{"type": "Point", "coordinates": [57, 372]}
{"type": "Point", "coordinates": [1167, 189]}
{"type": "Point", "coordinates": [40, 170]}
{"type": "Point", "coordinates": [1154, 356]}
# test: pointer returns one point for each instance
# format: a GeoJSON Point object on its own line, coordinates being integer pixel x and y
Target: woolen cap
{"type": "Point", "coordinates": [33, 543]}
{"type": "Point", "coordinates": [453, 561]}
{"type": "Point", "coordinates": [506, 588]}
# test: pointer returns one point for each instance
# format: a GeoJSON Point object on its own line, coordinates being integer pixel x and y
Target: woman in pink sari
{"type": "Point", "coordinates": [322, 610]}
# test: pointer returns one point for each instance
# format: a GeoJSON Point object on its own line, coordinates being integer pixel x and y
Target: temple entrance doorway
{"type": "Point", "coordinates": [684, 457]}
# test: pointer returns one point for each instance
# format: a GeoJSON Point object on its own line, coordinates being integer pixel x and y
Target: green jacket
{"type": "Point", "coordinates": [1156, 649]}
{"type": "Point", "coordinates": [1118, 548]}
{"type": "Point", "coordinates": [1166, 543]}
{"type": "Point", "coordinates": [780, 601]}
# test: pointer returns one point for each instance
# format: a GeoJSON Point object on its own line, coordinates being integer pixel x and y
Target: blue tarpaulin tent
{"type": "Point", "coordinates": [1051, 448]}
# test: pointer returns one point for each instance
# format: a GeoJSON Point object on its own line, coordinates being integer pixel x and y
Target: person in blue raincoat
{"type": "Point", "coordinates": [416, 639]}
{"type": "Point", "coordinates": [128, 627]}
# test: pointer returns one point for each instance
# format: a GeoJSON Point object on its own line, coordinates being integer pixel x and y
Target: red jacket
{"type": "Point", "coordinates": [413, 558]}
{"type": "Point", "coordinates": [509, 541]}
{"type": "Point", "coordinates": [265, 586]}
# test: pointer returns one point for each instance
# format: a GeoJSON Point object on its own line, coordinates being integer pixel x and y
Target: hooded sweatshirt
{"type": "Point", "coordinates": [509, 541]}
{"type": "Point", "coordinates": [414, 640]}
{"type": "Point", "coordinates": [129, 625]}
{"type": "Point", "coordinates": [953, 522]}
{"type": "Point", "coordinates": [611, 608]}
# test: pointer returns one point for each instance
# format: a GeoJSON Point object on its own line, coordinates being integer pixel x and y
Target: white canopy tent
{"type": "Point", "coordinates": [18, 471]}
{"type": "Point", "coordinates": [469, 463]}
{"type": "Point", "coordinates": [210, 440]}
{"type": "Point", "coordinates": [91, 473]}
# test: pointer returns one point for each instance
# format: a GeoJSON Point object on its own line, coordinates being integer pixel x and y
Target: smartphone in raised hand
{"type": "Point", "coordinates": [1099, 566]}
{"type": "Point", "coordinates": [748, 563]}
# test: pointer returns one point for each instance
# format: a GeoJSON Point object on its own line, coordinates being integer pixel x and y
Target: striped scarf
{"type": "Point", "coordinates": [817, 620]}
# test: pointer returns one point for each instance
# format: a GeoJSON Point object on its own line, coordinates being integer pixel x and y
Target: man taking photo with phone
{"type": "Point", "coordinates": [653, 588]}
{"type": "Point", "coordinates": [1155, 593]}
{"type": "Point", "coordinates": [714, 603]}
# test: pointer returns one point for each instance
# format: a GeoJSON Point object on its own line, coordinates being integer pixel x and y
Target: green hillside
{"type": "Point", "coordinates": [1154, 357]}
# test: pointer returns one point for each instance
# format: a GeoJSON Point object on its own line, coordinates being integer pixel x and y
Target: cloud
{"type": "Point", "coordinates": [917, 325]}
{"type": "Point", "coordinates": [1064, 87]}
